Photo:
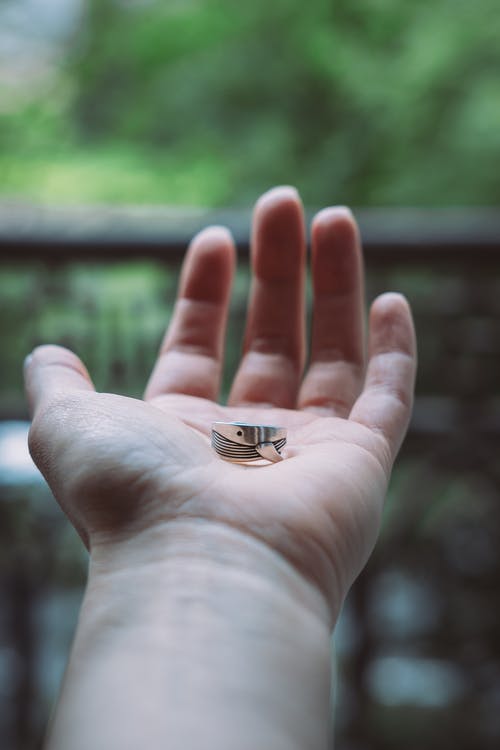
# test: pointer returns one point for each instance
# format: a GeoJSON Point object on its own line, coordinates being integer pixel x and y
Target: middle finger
{"type": "Point", "coordinates": [274, 343]}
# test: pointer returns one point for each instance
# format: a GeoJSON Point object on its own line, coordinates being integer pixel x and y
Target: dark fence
{"type": "Point", "coordinates": [418, 643]}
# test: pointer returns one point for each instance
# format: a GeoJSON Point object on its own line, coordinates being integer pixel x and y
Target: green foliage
{"type": "Point", "coordinates": [211, 101]}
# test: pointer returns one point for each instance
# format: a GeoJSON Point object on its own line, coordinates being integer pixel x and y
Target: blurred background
{"type": "Point", "coordinates": [125, 125]}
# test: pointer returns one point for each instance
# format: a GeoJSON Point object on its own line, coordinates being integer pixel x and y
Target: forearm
{"type": "Point", "coordinates": [217, 644]}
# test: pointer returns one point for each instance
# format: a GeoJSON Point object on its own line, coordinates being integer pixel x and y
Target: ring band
{"type": "Point", "coordinates": [241, 442]}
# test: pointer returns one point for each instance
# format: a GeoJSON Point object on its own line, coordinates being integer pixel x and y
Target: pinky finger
{"type": "Point", "coordinates": [386, 401]}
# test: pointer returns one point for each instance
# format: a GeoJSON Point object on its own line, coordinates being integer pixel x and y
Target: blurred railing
{"type": "Point", "coordinates": [424, 617]}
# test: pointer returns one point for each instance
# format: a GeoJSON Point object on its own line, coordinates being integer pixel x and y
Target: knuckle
{"type": "Point", "coordinates": [384, 453]}
{"type": "Point", "coordinates": [39, 442]}
{"type": "Point", "coordinates": [48, 422]}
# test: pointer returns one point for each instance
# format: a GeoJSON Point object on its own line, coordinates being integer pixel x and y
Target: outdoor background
{"type": "Point", "coordinates": [198, 105]}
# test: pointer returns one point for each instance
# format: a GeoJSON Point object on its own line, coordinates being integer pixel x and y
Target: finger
{"type": "Point", "coordinates": [273, 351]}
{"type": "Point", "coordinates": [50, 371]}
{"type": "Point", "coordinates": [334, 377]}
{"type": "Point", "coordinates": [386, 401]}
{"type": "Point", "coordinates": [190, 358]}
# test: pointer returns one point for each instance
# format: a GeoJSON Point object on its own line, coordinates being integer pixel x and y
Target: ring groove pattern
{"type": "Point", "coordinates": [236, 451]}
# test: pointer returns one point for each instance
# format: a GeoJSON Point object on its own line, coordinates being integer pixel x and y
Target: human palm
{"type": "Point", "coordinates": [119, 466]}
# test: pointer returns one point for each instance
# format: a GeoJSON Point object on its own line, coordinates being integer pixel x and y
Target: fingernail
{"type": "Point", "coordinates": [281, 192]}
{"type": "Point", "coordinates": [27, 362]}
{"type": "Point", "coordinates": [332, 212]}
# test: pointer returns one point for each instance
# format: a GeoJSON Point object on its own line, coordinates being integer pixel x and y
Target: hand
{"type": "Point", "coordinates": [121, 467]}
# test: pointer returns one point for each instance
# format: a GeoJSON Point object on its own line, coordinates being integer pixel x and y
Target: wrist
{"type": "Point", "coordinates": [231, 641]}
{"type": "Point", "coordinates": [202, 556]}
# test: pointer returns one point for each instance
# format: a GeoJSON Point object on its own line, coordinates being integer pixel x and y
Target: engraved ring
{"type": "Point", "coordinates": [241, 442]}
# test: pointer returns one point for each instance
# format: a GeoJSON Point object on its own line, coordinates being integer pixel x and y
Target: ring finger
{"type": "Point", "coordinates": [335, 375]}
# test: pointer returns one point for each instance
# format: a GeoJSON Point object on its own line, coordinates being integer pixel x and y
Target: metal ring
{"type": "Point", "coordinates": [241, 442]}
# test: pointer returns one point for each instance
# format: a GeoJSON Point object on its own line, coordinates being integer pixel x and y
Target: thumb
{"type": "Point", "coordinates": [51, 371]}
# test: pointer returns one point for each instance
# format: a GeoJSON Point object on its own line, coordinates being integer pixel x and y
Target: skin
{"type": "Point", "coordinates": [188, 551]}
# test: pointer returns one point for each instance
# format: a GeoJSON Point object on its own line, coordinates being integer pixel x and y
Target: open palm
{"type": "Point", "coordinates": [119, 466]}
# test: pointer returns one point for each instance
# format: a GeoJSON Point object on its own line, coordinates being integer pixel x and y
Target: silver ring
{"type": "Point", "coordinates": [241, 442]}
